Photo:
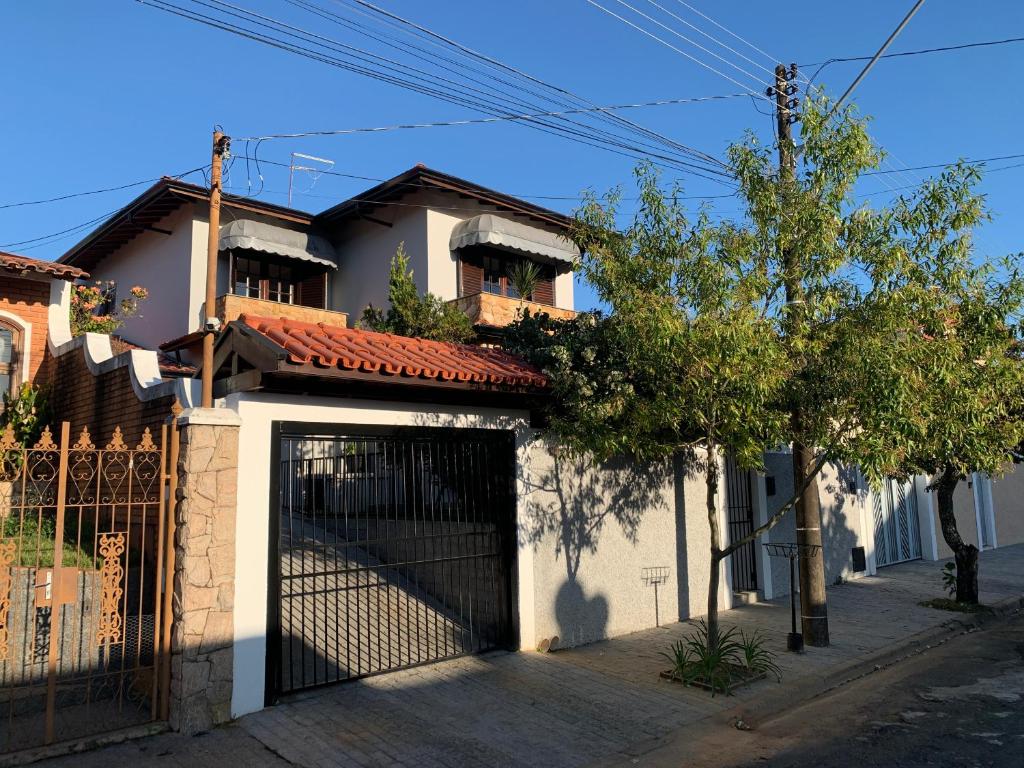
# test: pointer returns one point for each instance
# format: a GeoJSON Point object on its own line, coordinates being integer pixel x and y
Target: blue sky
{"type": "Point", "coordinates": [109, 92]}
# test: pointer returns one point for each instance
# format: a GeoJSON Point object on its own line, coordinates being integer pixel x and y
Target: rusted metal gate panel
{"type": "Point", "coordinates": [83, 537]}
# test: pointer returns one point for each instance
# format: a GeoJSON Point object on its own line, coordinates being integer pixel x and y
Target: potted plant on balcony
{"type": "Point", "coordinates": [523, 276]}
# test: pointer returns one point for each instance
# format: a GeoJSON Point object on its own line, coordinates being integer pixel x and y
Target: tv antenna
{"type": "Point", "coordinates": [315, 166]}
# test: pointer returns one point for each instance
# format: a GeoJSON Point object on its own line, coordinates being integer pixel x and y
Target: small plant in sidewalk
{"type": "Point", "coordinates": [949, 578]}
{"type": "Point", "coordinates": [756, 656]}
{"type": "Point", "coordinates": [95, 309]}
{"type": "Point", "coordinates": [719, 663]}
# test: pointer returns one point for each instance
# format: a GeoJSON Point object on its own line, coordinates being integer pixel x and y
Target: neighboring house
{"type": "Point", "coordinates": [461, 239]}
{"type": "Point", "coordinates": [32, 294]}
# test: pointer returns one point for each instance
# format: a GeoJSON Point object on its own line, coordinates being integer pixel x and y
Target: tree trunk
{"type": "Point", "coordinates": [711, 482]}
{"type": "Point", "coordinates": [964, 554]}
{"type": "Point", "coordinates": [813, 602]}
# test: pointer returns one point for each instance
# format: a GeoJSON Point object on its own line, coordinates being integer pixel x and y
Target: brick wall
{"type": "Point", "coordinates": [29, 300]}
{"type": "Point", "coordinates": [103, 402]}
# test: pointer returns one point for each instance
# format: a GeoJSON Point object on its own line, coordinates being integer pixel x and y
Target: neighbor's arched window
{"type": "Point", "coordinates": [10, 356]}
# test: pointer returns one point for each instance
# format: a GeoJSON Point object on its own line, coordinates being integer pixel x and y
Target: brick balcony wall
{"type": "Point", "coordinates": [231, 307]}
{"type": "Point", "coordinates": [498, 311]}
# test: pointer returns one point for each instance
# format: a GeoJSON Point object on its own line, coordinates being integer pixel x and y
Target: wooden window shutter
{"type": "Point", "coordinates": [544, 293]}
{"type": "Point", "coordinates": [472, 275]}
{"type": "Point", "coordinates": [313, 292]}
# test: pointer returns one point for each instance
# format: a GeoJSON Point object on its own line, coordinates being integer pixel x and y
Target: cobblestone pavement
{"type": "Point", "coordinates": [600, 703]}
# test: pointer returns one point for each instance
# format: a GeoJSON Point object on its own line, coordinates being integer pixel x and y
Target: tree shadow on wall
{"type": "Point", "coordinates": [570, 502]}
{"type": "Point", "coordinates": [838, 538]}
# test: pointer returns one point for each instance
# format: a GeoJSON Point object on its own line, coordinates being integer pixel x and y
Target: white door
{"type": "Point", "coordinates": [897, 533]}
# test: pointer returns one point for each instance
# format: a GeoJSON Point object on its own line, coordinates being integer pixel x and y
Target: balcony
{"type": "Point", "coordinates": [230, 307]}
{"type": "Point", "coordinates": [496, 311]}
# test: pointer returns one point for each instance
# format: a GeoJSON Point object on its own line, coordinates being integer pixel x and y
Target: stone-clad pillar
{"type": "Point", "coordinates": [204, 569]}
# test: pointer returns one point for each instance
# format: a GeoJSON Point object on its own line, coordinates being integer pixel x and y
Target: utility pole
{"type": "Point", "coordinates": [211, 323]}
{"type": "Point", "coordinates": [813, 607]}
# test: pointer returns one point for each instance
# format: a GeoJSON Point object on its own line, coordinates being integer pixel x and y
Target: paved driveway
{"type": "Point", "coordinates": [602, 703]}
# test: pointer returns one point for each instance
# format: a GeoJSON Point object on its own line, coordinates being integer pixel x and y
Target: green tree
{"type": "Point", "coordinates": [410, 314]}
{"type": "Point", "coordinates": [964, 358]}
{"type": "Point", "coordinates": [737, 337]}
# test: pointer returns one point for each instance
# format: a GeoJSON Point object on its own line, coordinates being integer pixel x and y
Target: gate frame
{"type": "Point", "coordinates": [271, 694]}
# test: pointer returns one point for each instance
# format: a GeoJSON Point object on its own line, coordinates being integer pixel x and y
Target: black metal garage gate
{"type": "Point", "coordinates": [394, 547]}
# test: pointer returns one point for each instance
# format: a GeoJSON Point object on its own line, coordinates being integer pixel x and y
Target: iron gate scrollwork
{"type": "Point", "coordinates": [394, 548]}
{"type": "Point", "coordinates": [82, 537]}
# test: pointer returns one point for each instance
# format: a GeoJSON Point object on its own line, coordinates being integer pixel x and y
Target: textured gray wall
{"type": "Point", "coordinates": [842, 512]}
{"type": "Point", "coordinates": [592, 531]}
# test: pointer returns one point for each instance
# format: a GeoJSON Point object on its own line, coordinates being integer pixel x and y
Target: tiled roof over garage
{"type": "Point", "coordinates": [394, 356]}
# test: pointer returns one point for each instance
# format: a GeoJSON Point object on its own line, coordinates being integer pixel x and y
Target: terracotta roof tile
{"type": "Point", "coordinates": [357, 350]}
{"type": "Point", "coordinates": [169, 366]}
{"type": "Point", "coordinates": [17, 263]}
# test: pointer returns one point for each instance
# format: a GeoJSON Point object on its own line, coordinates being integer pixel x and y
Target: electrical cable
{"type": "Point", "coordinates": [483, 120]}
{"type": "Point", "coordinates": [97, 191]}
{"type": "Point", "coordinates": [505, 67]}
{"type": "Point", "coordinates": [580, 136]}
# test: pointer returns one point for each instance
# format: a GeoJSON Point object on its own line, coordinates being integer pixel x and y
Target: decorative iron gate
{"type": "Point", "coordinates": [740, 516]}
{"type": "Point", "coordinates": [394, 548]}
{"type": "Point", "coordinates": [897, 532]}
{"type": "Point", "coordinates": [82, 541]}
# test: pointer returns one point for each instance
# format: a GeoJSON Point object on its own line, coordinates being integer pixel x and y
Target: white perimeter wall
{"type": "Point", "coordinates": [846, 520]}
{"type": "Point", "coordinates": [584, 534]}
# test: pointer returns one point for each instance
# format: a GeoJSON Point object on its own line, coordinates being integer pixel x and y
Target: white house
{"type": "Point", "coordinates": [396, 503]}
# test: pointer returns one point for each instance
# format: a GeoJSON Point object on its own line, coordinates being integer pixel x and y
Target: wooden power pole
{"type": "Point", "coordinates": [813, 607]}
{"type": "Point", "coordinates": [211, 323]}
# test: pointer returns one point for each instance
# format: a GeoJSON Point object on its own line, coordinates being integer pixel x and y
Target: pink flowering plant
{"type": "Point", "coordinates": [94, 308]}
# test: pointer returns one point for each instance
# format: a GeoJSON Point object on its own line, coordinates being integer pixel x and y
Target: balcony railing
{"type": "Point", "coordinates": [498, 311]}
{"type": "Point", "coordinates": [230, 307]}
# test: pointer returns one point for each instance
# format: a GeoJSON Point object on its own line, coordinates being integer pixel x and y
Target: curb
{"type": "Point", "coordinates": [804, 689]}
{"type": "Point", "coordinates": [76, 746]}
{"type": "Point", "coordinates": [752, 714]}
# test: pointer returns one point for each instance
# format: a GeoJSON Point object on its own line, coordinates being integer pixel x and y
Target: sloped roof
{"type": "Point", "coordinates": [419, 178]}
{"type": "Point", "coordinates": [394, 357]}
{"type": "Point", "coordinates": [15, 263]}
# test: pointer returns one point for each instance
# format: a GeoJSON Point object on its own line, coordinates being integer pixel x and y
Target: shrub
{"type": "Point", "coordinates": [717, 665]}
{"type": "Point", "coordinates": [88, 303]}
{"type": "Point", "coordinates": [423, 317]}
{"type": "Point", "coordinates": [27, 412]}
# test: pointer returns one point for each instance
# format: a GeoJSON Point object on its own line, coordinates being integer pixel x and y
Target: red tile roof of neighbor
{"type": "Point", "coordinates": [389, 355]}
{"type": "Point", "coordinates": [168, 365]}
{"type": "Point", "coordinates": [15, 263]}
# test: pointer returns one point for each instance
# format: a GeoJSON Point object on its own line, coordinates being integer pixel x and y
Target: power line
{"type": "Point", "coordinates": [681, 36]}
{"type": "Point", "coordinates": [709, 36]}
{"type": "Point", "coordinates": [667, 44]}
{"type": "Point", "coordinates": [505, 67]}
{"type": "Point", "coordinates": [919, 52]}
{"type": "Point", "coordinates": [874, 59]}
{"type": "Point", "coordinates": [414, 82]}
{"type": "Point", "coordinates": [979, 161]}
{"type": "Point", "coordinates": [98, 191]}
{"type": "Point", "coordinates": [728, 31]}
{"type": "Point", "coordinates": [482, 120]}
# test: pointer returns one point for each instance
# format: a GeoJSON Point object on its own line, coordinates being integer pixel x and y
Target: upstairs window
{"type": "Point", "coordinates": [487, 271]}
{"type": "Point", "coordinates": [258, 279]}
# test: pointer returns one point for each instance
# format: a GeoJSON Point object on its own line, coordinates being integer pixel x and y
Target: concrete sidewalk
{"type": "Point", "coordinates": [602, 704]}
